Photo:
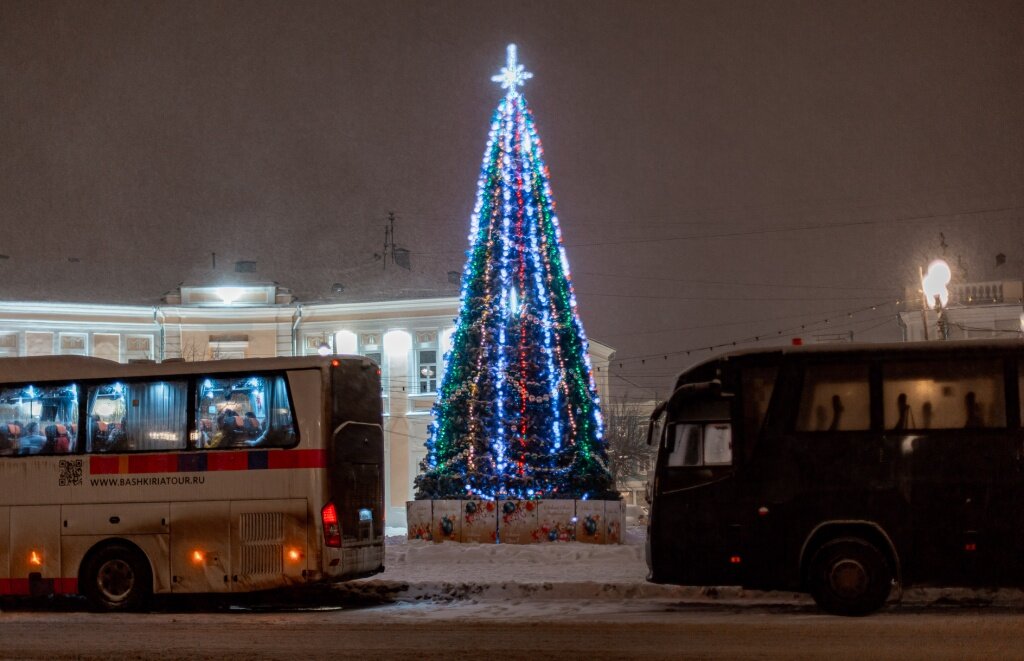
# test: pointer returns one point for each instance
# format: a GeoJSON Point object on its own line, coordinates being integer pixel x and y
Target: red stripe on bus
{"type": "Point", "coordinates": [297, 459]}
{"type": "Point", "coordinates": [227, 461]}
{"type": "Point", "coordinates": [103, 465]}
{"type": "Point", "coordinates": [153, 463]}
{"type": "Point", "coordinates": [215, 461]}
{"type": "Point", "coordinates": [65, 585]}
{"type": "Point", "coordinates": [23, 586]}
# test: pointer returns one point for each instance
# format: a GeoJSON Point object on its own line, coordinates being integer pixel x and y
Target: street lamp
{"type": "Point", "coordinates": [936, 295]}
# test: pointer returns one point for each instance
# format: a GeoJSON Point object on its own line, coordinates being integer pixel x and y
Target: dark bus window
{"type": "Point", "coordinates": [758, 384]}
{"type": "Point", "coordinates": [243, 411]}
{"type": "Point", "coordinates": [948, 394]}
{"type": "Point", "coordinates": [38, 420]}
{"type": "Point", "coordinates": [137, 417]}
{"type": "Point", "coordinates": [707, 444]}
{"type": "Point", "coordinates": [835, 398]}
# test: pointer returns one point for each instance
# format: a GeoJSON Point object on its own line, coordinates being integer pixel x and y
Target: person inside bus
{"type": "Point", "coordinates": [973, 410]}
{"type": "Point", "coordinates": [98, 431]}
{"type": "Point", "coordinates": [251, 425]}
{"type": "Point", "coordinates": [837, 413]}
{"type": "Point", "coordinates": [57, 441]}
{"type": "Point", "coordinates": [117, 437]}
{"type": "Point", "coordinates": [905, 414]}
{"type": "Point", "coordinates": [8, 439]}
{"type": "Point", "coordinates": [230, 429]}
{"type": "Point", "coordinates": [32, 441]}
{"type": "Point", "coordinates": [926, 415]}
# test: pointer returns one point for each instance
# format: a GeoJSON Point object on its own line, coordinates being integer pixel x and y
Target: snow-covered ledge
{"type": "Point", "coordinates": [517, 521]}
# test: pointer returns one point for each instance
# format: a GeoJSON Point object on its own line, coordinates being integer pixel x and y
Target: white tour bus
{"type": "Point", "coordinates": [120, 481]}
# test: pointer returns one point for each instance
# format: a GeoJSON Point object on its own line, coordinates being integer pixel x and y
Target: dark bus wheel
{"type": "Point", "coordinates": [116, 578]}
{"type": "Point", "coordinates": [849, 576]}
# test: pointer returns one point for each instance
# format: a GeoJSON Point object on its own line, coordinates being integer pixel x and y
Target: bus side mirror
{"type": "Point", "coordinates": [659, 410]}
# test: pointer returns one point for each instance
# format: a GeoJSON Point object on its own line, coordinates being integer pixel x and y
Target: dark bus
{"type": "Point", "coordinates": [842, 471]}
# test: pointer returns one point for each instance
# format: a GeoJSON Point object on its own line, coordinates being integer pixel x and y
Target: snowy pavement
{"type": "Point", "coordinates": [420, 570]}
{"type": "Point", "coordinates": [586, 573]}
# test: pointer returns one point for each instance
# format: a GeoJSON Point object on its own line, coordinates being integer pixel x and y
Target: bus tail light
{"type": "Point", "coordinates": [332, 531]}
{"type": "Point", "coordinates": [735, 560]}
{"type": "Point", "coordinates": [35, 559]}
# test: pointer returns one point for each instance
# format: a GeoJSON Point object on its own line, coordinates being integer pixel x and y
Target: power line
{"type": "Point", "coordinates": [955, 216]}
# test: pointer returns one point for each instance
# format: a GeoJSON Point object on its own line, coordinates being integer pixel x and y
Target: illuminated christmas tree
{"type": "Point", "coordinates": [517, 414]}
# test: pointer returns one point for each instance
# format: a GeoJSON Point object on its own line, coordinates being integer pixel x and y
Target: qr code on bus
{"type": "Point", "coordinates": [70, 472]}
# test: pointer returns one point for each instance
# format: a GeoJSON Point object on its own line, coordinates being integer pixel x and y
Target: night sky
{"type": "Point", "coordinates": [722, 170]}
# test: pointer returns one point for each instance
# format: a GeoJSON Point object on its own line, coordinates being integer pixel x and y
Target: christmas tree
{"type": "Point", "coordinates": [517, 414]}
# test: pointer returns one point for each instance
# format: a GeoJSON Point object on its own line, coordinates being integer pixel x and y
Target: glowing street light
{"type": "Point", "coordinates": [936, 295]}
{"type": "Point", "coordinates": [933, 284]}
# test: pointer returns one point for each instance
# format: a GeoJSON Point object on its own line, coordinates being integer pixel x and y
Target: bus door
{"type": "Point", "coordinates": [962, 475]}
{"type": "Point", "coordinates": [694, 535]}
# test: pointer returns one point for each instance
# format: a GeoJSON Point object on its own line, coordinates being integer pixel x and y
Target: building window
{"type": "Point", "coordinates": [8, 345]}
{"type": "Point", "coordinates": [138, 347]}
{"type": "Point", "coordinates": [370, 346]}
{"type": "Point", "coordinates": [106, 346]}
{"type": "Point", "coordinates": [426, 362]}
{"type": "Point", "coordinates": [73, 344]}
{"type": "Point", "coordinates": [311, 345]}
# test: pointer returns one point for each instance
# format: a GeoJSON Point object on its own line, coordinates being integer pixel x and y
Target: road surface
{"type": "Point", "coordinates": [534, 629]}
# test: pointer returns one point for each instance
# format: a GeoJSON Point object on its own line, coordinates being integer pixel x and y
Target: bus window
{"type": "Point", "coordinates": [758, 384]}
{"type": "Point", "coordinates": [243, 411]}
{"type": "Point", "coordinates": [38, 420]}
{"type": "Point", "coordinates": [953, 394]}
{"type": "Point", "coordinates": [835, 398]}
{"type": "Point", "coordinates": [701, 445]}
{"type": "Point", "coordinates": [137, 417]}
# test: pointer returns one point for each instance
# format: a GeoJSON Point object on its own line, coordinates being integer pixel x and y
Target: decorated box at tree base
{"type": "Point", "coordinates": [479, 521]}
{"type": "Point", "coordinates": [615, 518]}
{"type": "Point", "coordinates": [447, 524]}
{"type": "Point", "coordinates": [556, 521]}
{"type": "Point", "coordinates": [420, 515]}
{"type": "Point", "coordinates": [590, 521]}
{"type": "Point", "coordinates": [516, 521]}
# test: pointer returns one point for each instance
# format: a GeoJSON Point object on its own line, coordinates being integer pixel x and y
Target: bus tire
{"type": "Point", "coordinates": [849, 576]}
{"type": "Point", "coordinates": [117, 578]}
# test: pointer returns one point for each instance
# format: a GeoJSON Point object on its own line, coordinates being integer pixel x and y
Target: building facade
{"type": "Point", "coordinates": [407, 338]}
{"type": "Point", "coordinates": [978, 310]}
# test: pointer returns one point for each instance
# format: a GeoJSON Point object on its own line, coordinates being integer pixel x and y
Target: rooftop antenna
{"type": "Point", "coordinates": [389, 239]}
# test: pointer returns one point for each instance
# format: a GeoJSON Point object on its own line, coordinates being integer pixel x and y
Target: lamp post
{"type": "Point", "coordinates": [935, 295]}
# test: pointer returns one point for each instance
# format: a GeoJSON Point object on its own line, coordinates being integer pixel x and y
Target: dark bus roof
{"type": "Point", "coordinates": [68, 368]}
{"type": "Point", "coordinates": [869, 348]}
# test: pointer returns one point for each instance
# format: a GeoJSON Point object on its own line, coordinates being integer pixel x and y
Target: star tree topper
{"type": "Point", "coordinates": [513, 75]}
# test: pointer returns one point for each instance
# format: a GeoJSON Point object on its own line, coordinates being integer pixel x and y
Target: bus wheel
{"type": "Point", "coordinates": [849, 576]}
{"type": "Point", "coordinates": [116, 578]}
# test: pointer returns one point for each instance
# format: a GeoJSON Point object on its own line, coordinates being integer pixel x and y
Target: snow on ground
{"type": "Point", "coordinates": [416, 569]}
{"type": "Point", "coordinates": [583, 573]}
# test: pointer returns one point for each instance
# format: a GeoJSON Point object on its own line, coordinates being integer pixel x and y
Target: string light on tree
{"type": "Point", "coordinates": [517, 414]}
